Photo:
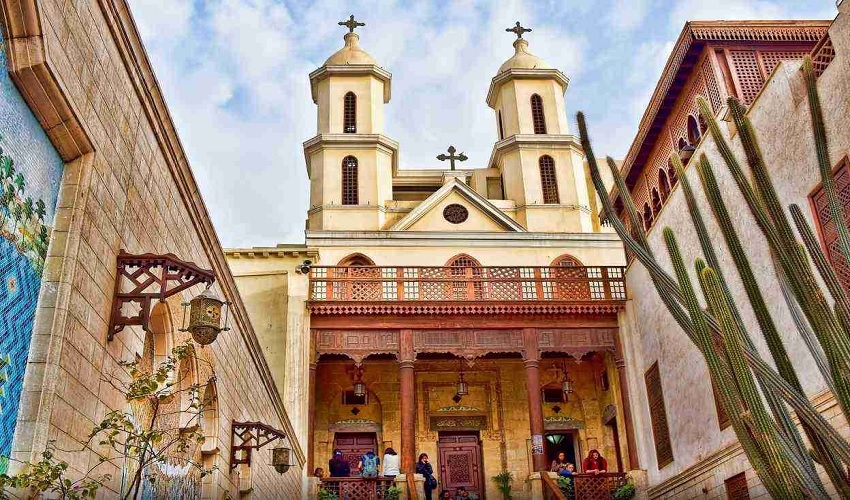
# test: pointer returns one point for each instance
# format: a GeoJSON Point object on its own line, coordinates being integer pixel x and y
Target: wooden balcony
{"type": "Point", "coordinates": [423, 284]}
{"type": "Point", "coordinates": [357, 488]}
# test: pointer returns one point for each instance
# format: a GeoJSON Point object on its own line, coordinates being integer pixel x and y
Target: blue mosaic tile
{"type": "Point", "coordinates": [30, 174]}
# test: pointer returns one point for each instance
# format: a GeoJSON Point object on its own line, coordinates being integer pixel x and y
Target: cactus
{"type": "Point", "coordinates": [769, 438]}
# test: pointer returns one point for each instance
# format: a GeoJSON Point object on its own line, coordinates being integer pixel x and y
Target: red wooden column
{"type": "Point", "coordinates": [531, 358]}
{"type": "Point", "coordinates": [408, 409]}
{"type": "Point", "coordinates": [634, 463]}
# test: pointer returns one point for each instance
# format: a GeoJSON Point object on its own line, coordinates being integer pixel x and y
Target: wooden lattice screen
{"type": "Point", "coordinates": [350, 195]}
{"type": "Point", "coordinates": [736, 487]}
{"type": "Point", "coordinates": [658, 416]}
{"type": "Point", "coordinates": [548, 181]}
{"type": "Point", "coordinates": [349, 113]}
{"type": "Point", "coordinates": [828, 234]}
{"type": "Point", "coordinates": [537, 115]}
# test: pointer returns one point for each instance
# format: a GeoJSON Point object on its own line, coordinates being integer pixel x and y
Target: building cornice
{"type": "Point", "coordinates": [350, 70]}
{"type": "Point", "coordinates": [318, 239]}
{"type": "Point", "coordinates": [524, 74]}
{"type": "Point", "coordinates": [281, 252]}
{"type": "Point", "coordinates": [347, 141]}
{"type": "Point", "coordinates": [523, 141]}
{"type": "Point", "coordinates": [455, 308]}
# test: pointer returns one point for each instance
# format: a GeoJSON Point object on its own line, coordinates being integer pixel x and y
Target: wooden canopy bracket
{"type": "Point", "coordinates": [149, 277]}
{"type": "Point", "coordinates": [246, 436]}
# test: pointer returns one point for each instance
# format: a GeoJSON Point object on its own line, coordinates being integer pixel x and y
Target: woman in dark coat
{"type": "Point", "coordinates": [338, 465]}
{"type": "Point", "coordinates": [423, 466]}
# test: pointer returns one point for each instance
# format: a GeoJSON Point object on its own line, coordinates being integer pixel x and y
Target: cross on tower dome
{"type": "Point", "coordinates": [518, 30]}
{"type": "Point", "coordinates": [351, 23]}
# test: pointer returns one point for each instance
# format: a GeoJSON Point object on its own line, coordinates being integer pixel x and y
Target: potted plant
{"type": "Point", "coordinates": [327, 495]}
{"type": "Point", "coordinates": [625, 492]}
{"type": "Point", "coordinates": [503, 482]}
{"type": "Point", "coordinates": [392, 493]}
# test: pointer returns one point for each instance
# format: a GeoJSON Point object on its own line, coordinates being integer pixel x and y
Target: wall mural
{"type": "Point", "coordinates": [30, 174]}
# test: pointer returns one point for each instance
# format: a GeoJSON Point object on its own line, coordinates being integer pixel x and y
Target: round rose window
{"type": "Point", "coordinates": [455, 213]}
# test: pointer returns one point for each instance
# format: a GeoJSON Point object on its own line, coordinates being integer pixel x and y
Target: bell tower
{"type": "Point", "coordinates": [541, 163]}
{"type": "Point", "coordinates": [350, 162]}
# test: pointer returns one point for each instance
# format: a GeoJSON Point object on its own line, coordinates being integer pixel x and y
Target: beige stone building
{"type": "Point", "coordinates": [466, 313]}
{"type": "Point", "coordinates": [93, 169]}
{"type": "Point", "coordinates": [684, 441]}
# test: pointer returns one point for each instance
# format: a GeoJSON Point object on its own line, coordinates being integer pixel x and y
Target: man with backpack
{"type": "Point", "coordinates": [369, 464]}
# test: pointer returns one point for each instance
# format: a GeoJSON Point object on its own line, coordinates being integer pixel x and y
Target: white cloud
{"type": "Point", "coordinates": [628, 14]}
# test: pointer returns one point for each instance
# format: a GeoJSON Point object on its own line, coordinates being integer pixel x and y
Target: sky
{"type": "Point", "coordinates": [235, 76]}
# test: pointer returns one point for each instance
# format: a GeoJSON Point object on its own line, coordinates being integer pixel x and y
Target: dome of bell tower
{"type": "Point", "coordinates": [351, 53]}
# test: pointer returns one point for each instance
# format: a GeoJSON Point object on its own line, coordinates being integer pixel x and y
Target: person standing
{"type": "Point", "coordinates": [423, 466]}
{"type": "Point", "coordinates": [338, 465]}
{"type": "Point", "coordinates": [369, 464]}
{"type": "Point", "coordinates": [594, 463]}
{"type": "Point", "coordinates": [560, 463]}
{"type": "Point", "coordinates": [391, 463]}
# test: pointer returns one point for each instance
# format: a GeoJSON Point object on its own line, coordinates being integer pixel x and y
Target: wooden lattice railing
{"type": "Point", "coordinates": [598, 486]}
{"type": "Point", "coordinates": [357, 488]}
{"type": "Point", "coordinates": [551, 491]}
{"type": "Point", "coordinates": [431, 284]}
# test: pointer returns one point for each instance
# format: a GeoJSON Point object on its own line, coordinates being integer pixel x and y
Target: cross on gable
{"type": "Point", "coordinates": [352, 23]}
{"type": "Point", "coordinates": [451, 157]}
{"type": "Point", "coordinates": [518, 30]}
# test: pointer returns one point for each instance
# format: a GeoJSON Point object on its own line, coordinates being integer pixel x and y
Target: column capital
{"type": "Point", "coordinates": [531, 345]}
{"type": "Point", "coordinates": [531, 363]}
{"type": "Point", "coordinates": [405, 363]}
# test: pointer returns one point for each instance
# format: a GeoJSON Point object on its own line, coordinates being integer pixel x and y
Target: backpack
{"type": "Point", "coordinates": [370, 465]}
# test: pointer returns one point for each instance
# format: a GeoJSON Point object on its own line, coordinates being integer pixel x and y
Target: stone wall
{"type": "Point", "coordinates": [703, 455]}
{"type": "Point", "coordinates": [125, 185]}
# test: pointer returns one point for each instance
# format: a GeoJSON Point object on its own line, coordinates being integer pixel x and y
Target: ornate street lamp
{"type": "Point", "coordinates": [205, 312]}
{"type": "Point", "coordinates": [281, 459]}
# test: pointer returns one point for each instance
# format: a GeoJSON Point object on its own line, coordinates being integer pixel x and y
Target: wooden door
{"type": "Point", "coordinates": [354, 445]}
{"type": "Point", "coordinates": [460, 463]}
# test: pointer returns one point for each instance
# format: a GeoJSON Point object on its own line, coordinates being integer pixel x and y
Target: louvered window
{"type": "Point", "coordinates": [349, 113]}
{"type": "Point", "coordinates": [349, 181]}
{"type": "Point", "coordinates": [736, 487]}
{"type": "Point", "coordinates": [548, 180]}
{"type": "Point", "coordinates": [501, 127]}
{"type": "Point", "coordinates": [828, 233]}
{"type": "Point", "coordinates": [658, 416]}
{"type": "Point", "coordinates": [537, 114]}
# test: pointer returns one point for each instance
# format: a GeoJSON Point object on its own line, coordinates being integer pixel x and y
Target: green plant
{"type": "Point", "coordinates": [768, 435]}
{"type": "Point", "coordinates": [327, 495]}
{"type": "Point", "coordinates": [167, 435]}
{"type": "Point", "coordinates": [625, 492]}
{"type": "Point", "coordinates": [504, 482]}
{"type": "Point", "coordinates": [393, 493]}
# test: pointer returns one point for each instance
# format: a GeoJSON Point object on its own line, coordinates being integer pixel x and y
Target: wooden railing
{"type": "Point", "coordinates": [412, 494]}
{"type": "Point", "coordinates": [357, 488]}
{"type": "Point", "coordinates": [431, 284]}
{"type": "Point", "coordinates": [551, 491]}
{"type": "Point", "coordinates": [583, 486]}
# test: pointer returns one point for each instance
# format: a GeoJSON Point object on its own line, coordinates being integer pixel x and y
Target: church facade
{"type": "Point", "coordinates": [470, 314]}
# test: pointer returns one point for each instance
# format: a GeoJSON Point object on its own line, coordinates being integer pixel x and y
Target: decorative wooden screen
{"type": "Point", "coordinates": [658, 416]}
{"type": "Point", "coordinates": [736, 487]}
{"type": "Point", "coordinates": [567, 261]}
{"type": "Point", "coordinates": [771, 59]}
{"type": "Point", "coordinates": [822, 55]}
{"type": "Point", "coordinates": [829, 236]}
{"type": "Point", "coordinates": [548, 181]}
{"type": "Point", "coordinates": [350, 194]}
{"type": "Point", "coordinates": [537, 114]}
{"type": "Point", "coordinates": [349, 113]}
{"type": "Point", "coordinates": [749, 74]}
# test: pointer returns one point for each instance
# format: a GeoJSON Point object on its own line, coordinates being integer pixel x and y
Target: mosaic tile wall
{"type": "Point", "coordinates": [30, 174]}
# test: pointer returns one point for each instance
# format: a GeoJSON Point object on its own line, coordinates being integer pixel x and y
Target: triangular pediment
{"type": "Point", "coordinates": [477, 213]}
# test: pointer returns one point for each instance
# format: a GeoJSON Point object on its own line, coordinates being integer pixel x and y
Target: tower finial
{"type": "Point", "coordinates": [518, 30]}
{"type": "Point", "coordinates": [352, 23]}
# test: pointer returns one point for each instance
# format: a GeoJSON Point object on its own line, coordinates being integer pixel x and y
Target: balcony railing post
{"type": "Point", "coordinates": [538, 282]}
{"type": "Point", "coordinates": [606, 282]}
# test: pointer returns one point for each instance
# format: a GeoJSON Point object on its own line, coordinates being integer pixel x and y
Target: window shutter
{"type": "Point", "coordinates": [736, 487]}
{"type": "Point", "coordinates": [349, 113]}
{"type": "Point", "coordinates": [537, 116]}
{"type": "Point", "coordinates": [828, 233]}
{"type": "Point", "coordinates": [658, 416]}
{"type": "Point", "coordinates": [350, 195]}
{"type": "Point", "coordinates": [548, 180]}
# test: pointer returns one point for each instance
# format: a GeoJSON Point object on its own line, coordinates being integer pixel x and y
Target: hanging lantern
{"type": "Point", "coordinates": [567, 385]}
{"type": "Point", "coordinates": [281, 459]}
{"type": "Point", "coordinates": [205, 317]}
{"type": "Point", "coordinates": [359, 389]}
{"type": "Point", "coordinates": [462, 386]}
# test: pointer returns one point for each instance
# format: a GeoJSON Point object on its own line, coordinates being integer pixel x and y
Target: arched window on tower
{"type": "Point", "coordinates": [349, 113]}
{"type": "Point", "coordinates": [537, 115]}
{"type": "Point", "coordinates": [663, 184]}
{"type": "Point", "coordinates": [656, 202]}
{"type": "Point", "coordinates": [694, 133]}
{"type": "Point", "coordinates": [350, 195]}
{"type": "Point", "coordinates": [548, 180]}
{"type": "Point", "coordinates": [647, 216]}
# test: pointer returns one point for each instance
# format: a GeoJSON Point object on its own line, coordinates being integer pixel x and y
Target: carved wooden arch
{"type": "Point", "coordinates": [694, 132]}
{"type": "Point", "coordinates": [356, 259]}
{"type": "Point", "coordinates": [567, 260]}
{"type": "Point", "coordinates": [663, 184]}
{"type": "Point", "coordinates": [459, 258]}
{"type": "Point", "coordinates": [357, 357]}
{"type": "Point", "coordinates": [28, 65]}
